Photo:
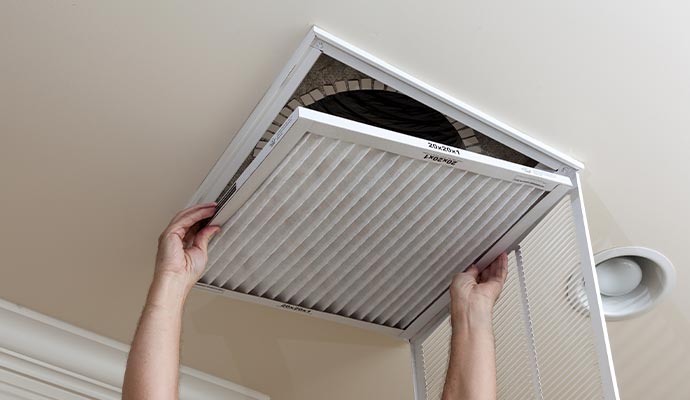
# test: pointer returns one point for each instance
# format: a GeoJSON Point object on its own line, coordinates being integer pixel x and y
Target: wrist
{"type": "Point", "coordinates": [168, 291]}
{"type": "Point", "coordinates": [472, 317]}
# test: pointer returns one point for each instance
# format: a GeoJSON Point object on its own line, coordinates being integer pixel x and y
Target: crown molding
{"type": "Point", "coordinates": [44, 358]}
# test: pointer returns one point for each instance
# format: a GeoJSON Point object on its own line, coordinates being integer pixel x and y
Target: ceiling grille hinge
{"type": "Point", "coordinates": [318, 44]}
{"type": "Point", "coordinates": [208, 288]}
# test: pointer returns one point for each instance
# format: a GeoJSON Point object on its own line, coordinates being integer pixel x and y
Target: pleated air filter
{"type": "Point", "coordinates": [351, 220]}
{"type": "Point", "coordinates": [338, 201]}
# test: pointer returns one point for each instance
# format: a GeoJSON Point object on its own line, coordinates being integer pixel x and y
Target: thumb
{"type": "Point", "coordinates": [202, 237]}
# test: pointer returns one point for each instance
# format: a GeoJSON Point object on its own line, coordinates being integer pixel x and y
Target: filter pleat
{"type": "Point", "coordinates": [521, 197]}
{"type": "Point", "coordinates": [300, 269]}
{"type": "Point", "coordinates": [266, 195]}
{"type": "Point", "coordinates": [391, 265]}
{"type": "Point", "coordinates": [357, 236]}
{"type": "Point", "coordinates": [343, 198]}
{"type": "Point", "coordinates": [292, 230]}
{"type": "Point", "coordinates": [266, 208]}
{"type": "Point", "coordinates": [302, 185]}
{"type": "Point", "coordinates": [389, 236]}
{"type": "Point", "coordinates": [449, 262]}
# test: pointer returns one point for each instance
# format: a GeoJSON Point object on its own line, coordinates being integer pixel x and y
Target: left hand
{"type": "Point", "coordinates": [182, 250]}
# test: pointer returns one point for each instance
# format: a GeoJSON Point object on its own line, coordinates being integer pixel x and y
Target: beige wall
{"type": "Point", "coordinates": [111, 113]}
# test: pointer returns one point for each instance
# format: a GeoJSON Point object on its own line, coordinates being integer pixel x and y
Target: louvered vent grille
{"type": "Point", "coordinates": [362, 233]}
{"type": "Point", "coordinates": [544, 338]}
{"type": "Point", "coordinates": [513, 366]}
{"type": "Point", "coordinates": [563, 335]}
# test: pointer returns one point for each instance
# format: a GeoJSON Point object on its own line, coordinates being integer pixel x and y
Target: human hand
{"type": "Point", "coordinates": [182, 248]}
{"type": "Point", "coordinates": [475, 293]}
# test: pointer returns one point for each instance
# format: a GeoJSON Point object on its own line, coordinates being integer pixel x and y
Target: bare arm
{"type": "Point", "coordinates": [472, 366]}
{"type": "Point", "coordinates": [153, 363]}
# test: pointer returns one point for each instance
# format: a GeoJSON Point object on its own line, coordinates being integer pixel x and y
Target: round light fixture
{"type": "Point", "coordinates": [632, 280]}
{"type": "Point", "coordinates": [618, 276]}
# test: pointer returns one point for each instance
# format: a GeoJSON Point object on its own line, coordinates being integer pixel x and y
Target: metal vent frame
{"type": "Point", "coordinates": [318, 42]}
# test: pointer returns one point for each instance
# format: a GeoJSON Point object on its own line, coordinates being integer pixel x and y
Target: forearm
{"type": "Point", "coordinates": [472, 365]}
{"type": "Point", "coordinates": [153, 363]}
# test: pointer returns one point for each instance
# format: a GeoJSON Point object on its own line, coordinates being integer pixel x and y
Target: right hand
{"type": "Point", "coordinates": [472, 292]}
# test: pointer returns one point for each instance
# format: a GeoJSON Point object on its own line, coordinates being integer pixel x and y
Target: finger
{"type": "Point", "coordinates": [191, 233]}
{"type": "Point", "coordinates": [185, 222]}
{"type": "Point", "coordinates": [204, 236]}
{"type": "Point", "coordinates": [485, 274]}
{"type": "Point", "coordinates": [473, 271]}
{"type": "Point", "coordinates": [499, 269]}
{"type": "Point", "coordinates": [504, 266]}
{"type": "Point", "coordinates": [189, 210]}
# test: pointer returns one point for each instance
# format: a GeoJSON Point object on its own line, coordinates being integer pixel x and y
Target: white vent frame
{"type": "Point", "coordinates": [319, 42]}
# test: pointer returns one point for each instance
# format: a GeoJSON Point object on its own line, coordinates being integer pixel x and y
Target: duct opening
{"type": "Point", "coordinates": [338, 89]}
{"type": "Point", "coordinates": [392, 111]}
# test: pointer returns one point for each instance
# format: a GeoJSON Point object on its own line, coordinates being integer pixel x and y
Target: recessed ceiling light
{"type": "Point", "coordinates": [632, 280]}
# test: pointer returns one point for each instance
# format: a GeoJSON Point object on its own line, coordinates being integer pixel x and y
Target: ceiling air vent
{"type": "Point", "coordinates": [354, 192]}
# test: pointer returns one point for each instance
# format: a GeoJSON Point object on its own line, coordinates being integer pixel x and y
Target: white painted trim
{"type": "Point", "coordinates": [418, 378]}
{"type": "Point", "coordinates": [20, 386]}
{"type": "Point", "coordinates": [59, 360]}
{"type": "Point", "coordinates": [608, 374]}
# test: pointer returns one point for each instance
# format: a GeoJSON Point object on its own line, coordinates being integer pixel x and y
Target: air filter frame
{"type": "Point", "coordinates": [319, 42]}
{"type": "Point", "coordinates": [305, 121]}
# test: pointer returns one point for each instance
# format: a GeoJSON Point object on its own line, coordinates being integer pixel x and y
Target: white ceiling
{"type": "Point", "coordinates": [111, 113]}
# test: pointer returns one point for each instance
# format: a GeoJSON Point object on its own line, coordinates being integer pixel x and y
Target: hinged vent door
{"type": "Point", "coordinates": [544, 331]}
{"type": "Point", "coordinates": [341, 218]}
